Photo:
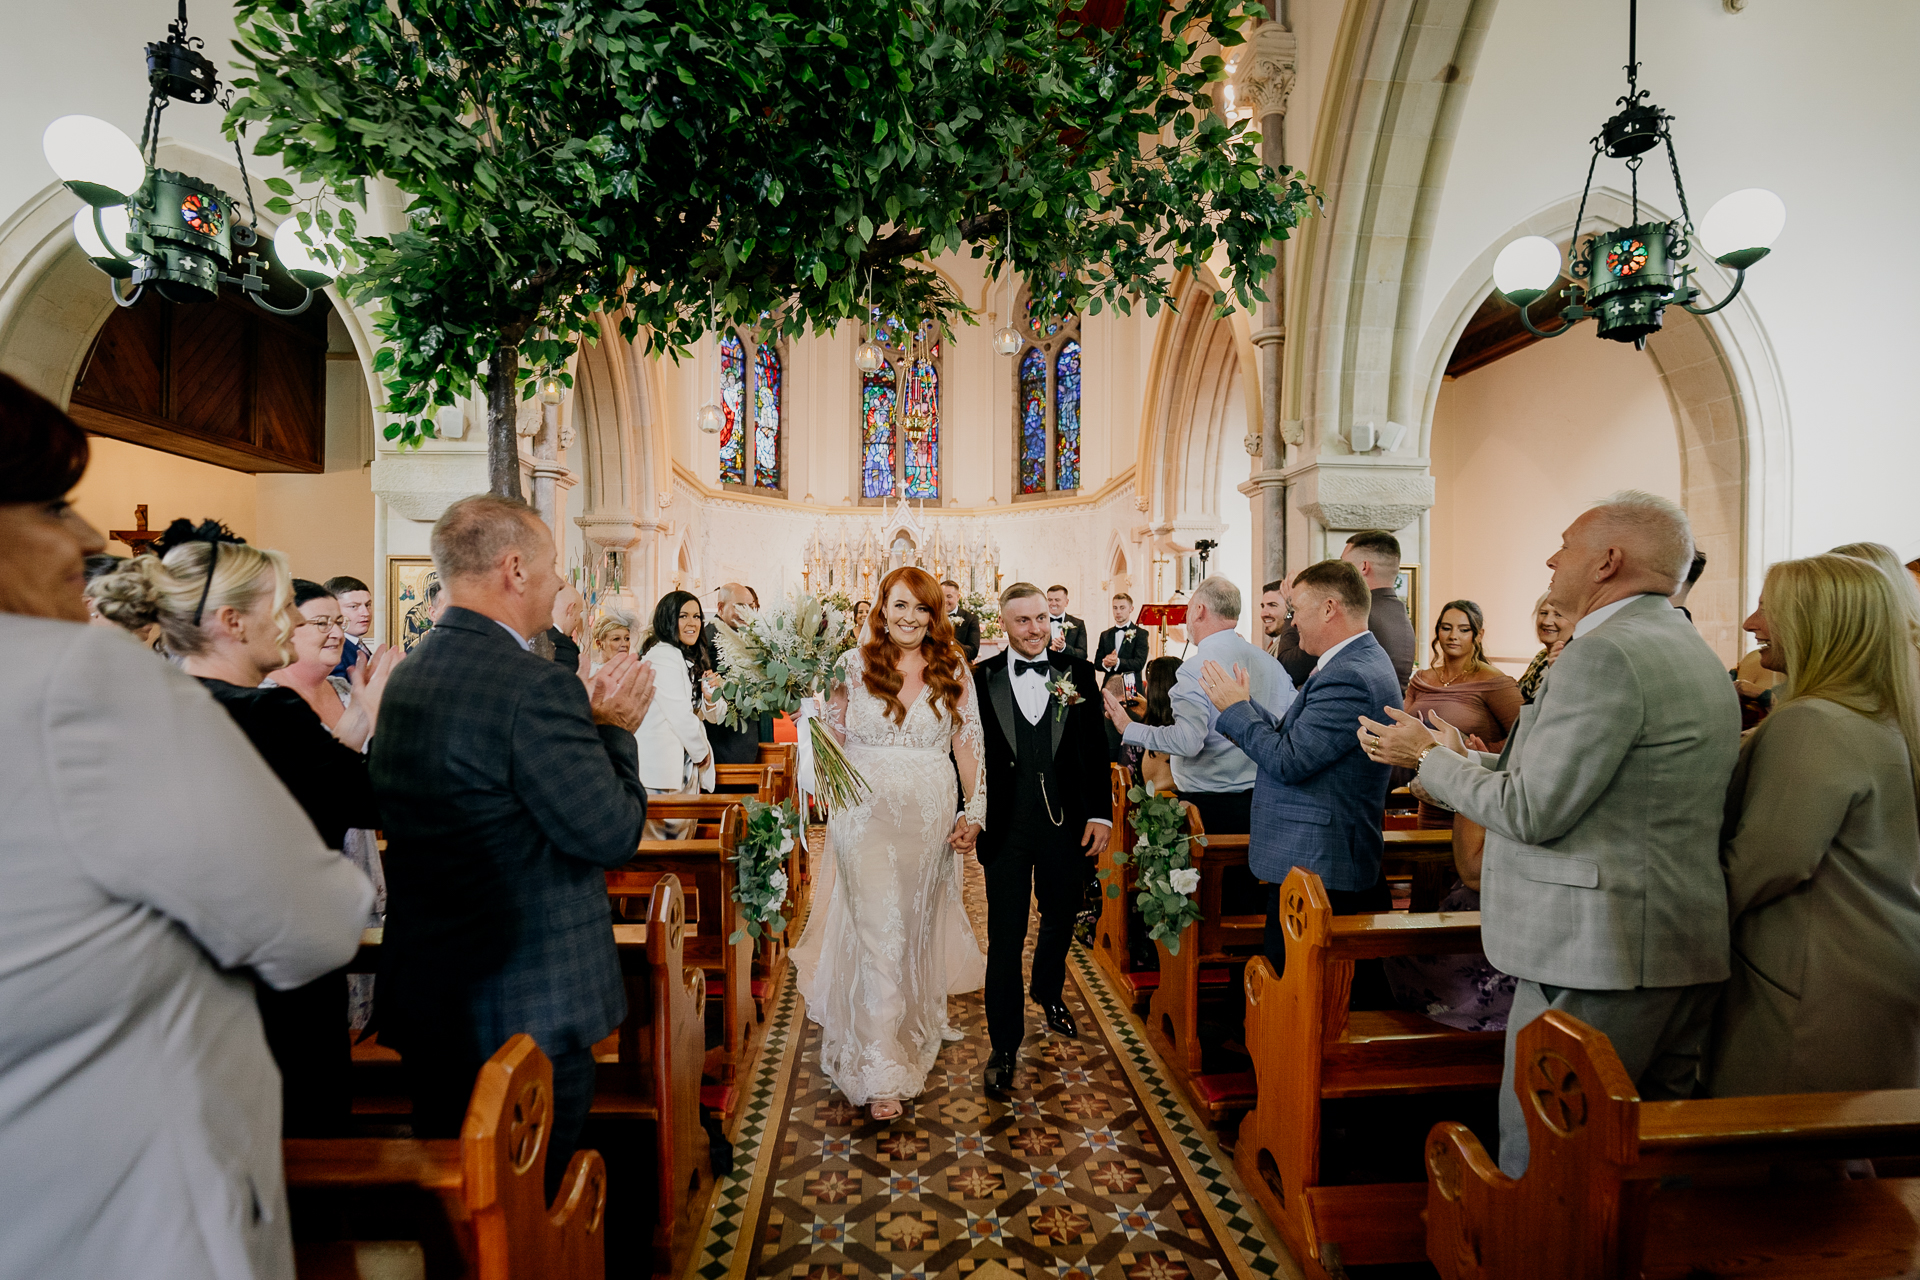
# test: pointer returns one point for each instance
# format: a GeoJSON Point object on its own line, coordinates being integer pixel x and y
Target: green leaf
{"type": "Point", "coordinates": [279, 186]}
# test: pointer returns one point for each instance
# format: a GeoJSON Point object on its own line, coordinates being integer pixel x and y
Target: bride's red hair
{"type": "Point", "coordinates": [880, 656]}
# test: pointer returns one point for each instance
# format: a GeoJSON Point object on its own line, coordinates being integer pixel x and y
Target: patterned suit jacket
{"type": "Point", "coordinates": [504, 802]}
{"type": "Point", "coordinates": [1603, 812]}
{"type": "Point", "coordinates": [1317, 799]}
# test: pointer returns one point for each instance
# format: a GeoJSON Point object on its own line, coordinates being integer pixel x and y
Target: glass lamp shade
{"type": "Point", "coordinates": [710, 419]}
{"type": "Point", "coordinates": [1526, 269]}
{"type": "Point", "coordinates": [1007, 340]}
{"type": "Point", "coordinates": [119, 229]}
{"type": "Point", "coordinates": [98, 163]}
{"type": "Point", "coordinates": [1743, 225]}
{"type": "Point", "coordinates": [304, 262]}
{"type": "Point", "coordinates": [551, 390]}
{"type": "Point", "coordinates": [868, 358]}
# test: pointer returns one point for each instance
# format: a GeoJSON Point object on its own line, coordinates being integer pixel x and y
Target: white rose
{"type": "Point", "coordinates": [786, 843]}
{"type": "Point", "coordinates": [778, 881]}
{"type": "Point", "coordinates": [1184, 880]}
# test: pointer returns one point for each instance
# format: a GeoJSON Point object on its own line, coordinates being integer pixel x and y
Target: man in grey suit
{"type": "Point", "coordinates": [1602, 890]}
{"type": "Point", "coordinates": [1209, 772]}
{"type": "Point", "coordinates": [508, 786]}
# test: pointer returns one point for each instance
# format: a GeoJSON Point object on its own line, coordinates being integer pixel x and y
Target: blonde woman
{"type": "Point", "coordinates": [1905, 589]}
{"type": "Point", "coordinates": [226, 610]}
{"type": "Point", "coordinates": [1552, 629]}
{"type": "Point", "coordinates": [611, 637]}
{"type": "Point", "coordinates": [1821, 845]}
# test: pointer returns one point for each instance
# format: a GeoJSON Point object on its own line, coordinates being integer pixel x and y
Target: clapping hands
{"type": "Point", "coordinates": [368, 679]}
{"type": "Point", "coordinates": [621, 691]}
{"type": "Point", "coordinates": [1224, 690]}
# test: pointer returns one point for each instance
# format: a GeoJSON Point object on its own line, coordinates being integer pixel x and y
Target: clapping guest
{"type": "Point", "coordinates": [1154, 706]}
{"type": "Point", "coordinates": [1462, 688]}
{"type": "Point", "coordinates": [569, 606]}
{"type": "Point", "coordinates": [1552, 629]}
{"type": "Point", "coordinates": [1821, 843]}
{"type": "Point", "coordinates": [966, 627]}
{"type": "Point", "coordinates": [1601, 889]}
{"type": "Point", "coordinates": [1069, 632]}
{"type": "Point", "coordinates": [1123, 646]}
{"type": "Point", "coordinates": [731, 745]}
{"type": "Point", "coordinates": [675, 756]}
{"type": "Point", "coordinates": [148, 860]}
{"type": "Point", "coordinates": [1905, 589]}
{"type": "Point", "coordinates": [611, 638]}
{"type": "Point", "coordinates": [225, 609]}
{"type": "Point", "coordinates": [318, 638]}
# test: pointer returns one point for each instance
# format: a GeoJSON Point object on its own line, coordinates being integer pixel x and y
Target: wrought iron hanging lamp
{"type": "Point", "coordinates": [1632, 274]}
{"type": "Point", "coordinates": [167, 229]}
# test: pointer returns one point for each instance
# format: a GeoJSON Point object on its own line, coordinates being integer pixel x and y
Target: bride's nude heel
{"type": "Point", "coordinates": [886, 1109]}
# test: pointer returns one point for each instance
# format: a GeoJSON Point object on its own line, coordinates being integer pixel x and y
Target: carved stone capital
{"type": "Point", "coordinates": [1363, 497]}
{"type": "Point", "coordinates": [421, 485]}
{"type": "Point", "coordinates": [615, 530]}
{"type": "Point", "coordinates": [1265, 79]}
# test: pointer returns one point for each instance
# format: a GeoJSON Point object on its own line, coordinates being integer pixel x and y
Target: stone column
{"type": "Point", "coordinates": [1265, 81]}
{"type": "Point", "coordinates": [551, 479]}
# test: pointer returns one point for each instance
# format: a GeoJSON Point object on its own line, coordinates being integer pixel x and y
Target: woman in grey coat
{"type": "Point", "coordinates": [1822, 846]}
{"type": "Point", "coordinates": [148, 861]}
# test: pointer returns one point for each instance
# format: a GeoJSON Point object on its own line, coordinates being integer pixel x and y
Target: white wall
{"type": "Point", "coordinates": [1813, 102]}
{"type": "Point", "coordinates": [1520, 447]}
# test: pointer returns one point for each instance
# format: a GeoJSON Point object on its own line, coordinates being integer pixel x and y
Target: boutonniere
{"type": "Point", "coordinates": [1063, 691]}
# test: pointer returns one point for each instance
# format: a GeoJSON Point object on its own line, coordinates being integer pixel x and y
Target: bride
{"type": "Point", "coordinates": [877, 965]}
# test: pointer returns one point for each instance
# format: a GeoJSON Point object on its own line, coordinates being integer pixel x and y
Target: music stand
{"type": "Point", "coordinates": [1163, 616]}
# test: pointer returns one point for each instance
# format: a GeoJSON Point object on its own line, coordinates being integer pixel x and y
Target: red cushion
{"type": "Point", "coordinates": [716, 1097]}
{"type": "Point", "coordinates": [1216, 977]}
{"type": "Point", "coordinates": [1226, 1090]}
{"type": "Point", "coordinates": [1143, 981]}
{"type": "Point", "coordinates": [758, 989]}
{"type": "Point", "coordinates": [716, 984]}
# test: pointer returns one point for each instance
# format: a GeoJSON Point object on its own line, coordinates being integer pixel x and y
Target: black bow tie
{"type": "Point", "coordinates": [1021, 666]}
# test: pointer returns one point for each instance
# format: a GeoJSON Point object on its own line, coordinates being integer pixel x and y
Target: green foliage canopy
{"type": "Point", "coordinates": [685, 164]}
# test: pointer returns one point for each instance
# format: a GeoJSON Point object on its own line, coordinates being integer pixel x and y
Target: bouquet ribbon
{"type": "Point", "coordinates": [803, 759]}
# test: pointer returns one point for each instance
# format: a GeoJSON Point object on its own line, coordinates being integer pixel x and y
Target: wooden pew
{"type": "Point", "coordinates": [1592, 1205]}
{"type": "Point", "coordinates": [1308, 1047]}
{"type": "Point", "coordinates": [770, 953]}
{"type": "Point", "coordinates": [490, 1181]}
{"type": "Point", "coordinates": [1210, 949]}
{"type": "Point", "coordinates": [1114, 933]}
{"type": "Point", "coordinates": [648, 1070]}
{"type": "Point", "coordinates": [1423, 856]}
{"type": "Point", "coordinates": [708, 866]}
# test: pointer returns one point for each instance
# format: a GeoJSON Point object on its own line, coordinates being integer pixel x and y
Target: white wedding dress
{"type": "Point", "coordinates": [889, 940]}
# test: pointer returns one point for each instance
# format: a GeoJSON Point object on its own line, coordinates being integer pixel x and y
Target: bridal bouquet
{"type": "Point", "coordinates": [1162, 857]}
{"type": "Point", "coordinates": [773, 662]}
{"type": "Point", "coordinates": [760, 882]}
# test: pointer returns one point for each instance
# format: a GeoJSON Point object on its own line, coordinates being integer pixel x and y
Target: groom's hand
{"type": "Point", "coordinates": [1094, 841]}
{"type": "Point", "coordinates": [965, 835]}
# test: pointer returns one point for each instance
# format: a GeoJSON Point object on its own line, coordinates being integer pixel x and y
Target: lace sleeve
{"type": "Point", "coordinates": [970, 752]}
{"type": "Point", "coordinates": [834, 708]}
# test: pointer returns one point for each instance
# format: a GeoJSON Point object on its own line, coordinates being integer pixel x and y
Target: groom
{"type": "Point", "coordinates": [1047, 801]}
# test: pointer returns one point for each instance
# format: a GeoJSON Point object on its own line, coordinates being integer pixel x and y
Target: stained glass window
{"type": "Point", "coordinates": [921, 436]}
{"type": "Point", "coordinates": [876, 407]}
{"type": "Point", "coordinates": [1066, 420]}
{"type": "Point", "coordinates": [1033, 421]}
{"type": "Point", "coordinates": [900, 415]}
{"type": "Point", "coordinates": [751, 419]}
{"type": "Point", "coordinates": [766, 418]}
{"type": "Point", "coordinates": [733, 435]}
{"type": "Point", "coordinates": [1046, 405]}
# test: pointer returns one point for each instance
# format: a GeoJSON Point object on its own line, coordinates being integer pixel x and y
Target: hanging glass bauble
{"type": "Point", "coordinates": [710, 419]}
{"type": "Point", "coordinates": [1007, 340]}
{"type": "Point", "coordinates": [868, 358]}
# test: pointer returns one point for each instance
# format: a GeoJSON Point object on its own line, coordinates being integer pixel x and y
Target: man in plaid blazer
{"type": "Point", "coordinates": [1602, 889]}
{"type": "Point", "coordinates": [507, 786]}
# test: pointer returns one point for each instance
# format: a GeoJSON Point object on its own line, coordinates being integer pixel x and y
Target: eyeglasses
{"type": "Point", "coordinates": [325, 624]}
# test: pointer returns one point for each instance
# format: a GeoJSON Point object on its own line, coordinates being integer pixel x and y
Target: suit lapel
{"type": "Point", "coordinates": [1059, 720]}
{"type": "Point", "coordinates": [1001, 691]}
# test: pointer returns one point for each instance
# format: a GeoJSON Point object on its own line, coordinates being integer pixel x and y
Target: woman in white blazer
{"type": "Point", "coordinates": [149, 860]}
{"type": "Point", "coordinates": [674, 753]}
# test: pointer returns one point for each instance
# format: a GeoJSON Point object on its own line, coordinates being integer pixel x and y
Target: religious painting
{"type": "Point", "coordinates": [407, 579]}
{"type": "Point", "coordinates": [1406, 585]}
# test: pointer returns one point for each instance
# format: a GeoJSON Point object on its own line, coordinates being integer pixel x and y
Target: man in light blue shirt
{"type": "Point", "coordinates": [1209, 772]}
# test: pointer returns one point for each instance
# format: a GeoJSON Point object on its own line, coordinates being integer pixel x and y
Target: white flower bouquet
{"type": "Point", "coordinates": [760, 883]}
{"type": "Point", "coordinates": [1163, 858]}
{"type": "Point", "coordinates": [774, 662]}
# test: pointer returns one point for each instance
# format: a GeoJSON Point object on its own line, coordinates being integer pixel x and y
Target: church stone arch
{"type": "Point", "coordinates": [1728, 400]}
{"type": "Point", "coordinates": [627, 480]}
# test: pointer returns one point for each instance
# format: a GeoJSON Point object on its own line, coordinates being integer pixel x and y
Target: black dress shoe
{"type": "Point", "coordinates": [1058, 1019]}
{"type": "Point", "coordinates": [999, 1077]}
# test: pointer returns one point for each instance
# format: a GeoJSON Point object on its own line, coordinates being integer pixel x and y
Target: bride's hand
{"type": "Point", "coordinates": [964, 835]}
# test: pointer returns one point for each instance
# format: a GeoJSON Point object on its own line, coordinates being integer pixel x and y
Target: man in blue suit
{"type": "Point", "coordinates": [1317, 799]}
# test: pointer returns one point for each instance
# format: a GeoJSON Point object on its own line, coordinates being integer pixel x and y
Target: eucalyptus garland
{"type": "Point", "coordinates": [760, 880]}
{"type": "Point", "coordinates": [1167, 876]}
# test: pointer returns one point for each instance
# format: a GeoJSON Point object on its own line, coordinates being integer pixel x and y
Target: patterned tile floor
{"type": "Point", "coordinates": [1092, 1170]}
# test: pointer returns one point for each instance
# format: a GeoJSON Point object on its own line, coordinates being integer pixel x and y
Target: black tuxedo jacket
{"type": "Point", "coordinates": [1133, 653]}
{"type": "Point", "coordinates": [966, 630]}
{"type": "Point", "coordinates": [504, 805]}
{"type": "Point", "coordinates": [1075, 635]}
{"type": "Point", "coordinates": [1079, 751]}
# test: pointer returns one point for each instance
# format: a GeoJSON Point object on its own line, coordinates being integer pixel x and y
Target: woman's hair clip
{"type": "Point", "coordinates": [183, 531]}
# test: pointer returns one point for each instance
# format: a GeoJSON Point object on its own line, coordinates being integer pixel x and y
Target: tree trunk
{"type": "Point", "coordinates": [503, 421]}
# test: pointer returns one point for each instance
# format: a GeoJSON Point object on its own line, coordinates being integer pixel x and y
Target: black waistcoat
{"type": "Point", "coordinates": [1035, 783]}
